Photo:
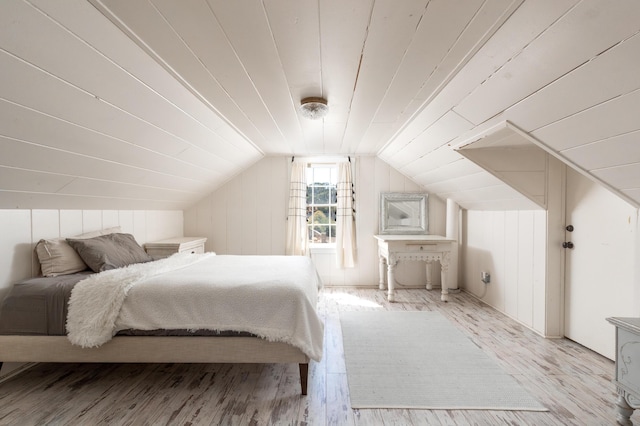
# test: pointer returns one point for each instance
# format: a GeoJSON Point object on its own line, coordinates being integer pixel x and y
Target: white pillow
{"type": "Point", "coordinates": [57, 257]}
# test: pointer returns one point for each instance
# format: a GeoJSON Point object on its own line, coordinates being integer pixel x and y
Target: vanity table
{"type": "Point", "coordinates": [427, 248]}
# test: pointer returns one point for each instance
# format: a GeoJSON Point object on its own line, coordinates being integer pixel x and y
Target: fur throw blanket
{"type": "Point", "coordinates": [96, 301]}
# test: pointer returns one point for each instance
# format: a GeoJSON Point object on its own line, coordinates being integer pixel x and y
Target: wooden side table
{"type": "Point", "coordinates": [627, 379]}
{"type": "Point", "coordinates": [165, 248]}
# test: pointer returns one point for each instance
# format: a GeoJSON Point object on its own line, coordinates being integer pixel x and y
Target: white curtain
{"type": "Point", "coordinates": [297, 244]}
{"type": "Point", "coordinates": [345, 218]}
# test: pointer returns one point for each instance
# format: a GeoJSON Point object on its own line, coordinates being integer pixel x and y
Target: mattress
{"type": "Point", "coordinates": [39, 306]}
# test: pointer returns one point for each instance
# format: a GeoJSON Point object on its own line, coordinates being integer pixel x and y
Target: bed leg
{"type": "Point", "coordinates": [304, 373]}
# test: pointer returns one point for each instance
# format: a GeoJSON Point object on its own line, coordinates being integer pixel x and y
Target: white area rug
{"type": "Point", "coordinates": [420, 360]}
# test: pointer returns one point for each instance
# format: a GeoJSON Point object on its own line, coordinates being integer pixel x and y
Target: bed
{"type": "Point", "coordinates": [188, 308]}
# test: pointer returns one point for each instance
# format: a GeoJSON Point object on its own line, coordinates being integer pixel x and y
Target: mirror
{"type": "Point", "coordinates": [403, 213]}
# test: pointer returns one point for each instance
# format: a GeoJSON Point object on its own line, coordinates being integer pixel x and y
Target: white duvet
{"type": "Point", "coordinates": [273, 297]}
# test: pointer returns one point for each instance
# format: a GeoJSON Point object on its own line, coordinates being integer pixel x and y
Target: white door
{"type": "Point", "coordinates": [600, 268]}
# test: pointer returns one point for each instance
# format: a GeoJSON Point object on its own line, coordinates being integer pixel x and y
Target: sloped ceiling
{"type": "Point", "coordinates": [154, 104]}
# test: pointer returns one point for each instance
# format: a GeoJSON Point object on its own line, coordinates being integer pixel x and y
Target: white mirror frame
{"type": "Point", "coordinates": [413, 205]}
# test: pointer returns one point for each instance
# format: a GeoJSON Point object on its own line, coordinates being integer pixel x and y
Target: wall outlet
{"type": "Point", "coordinates": [485, 277]}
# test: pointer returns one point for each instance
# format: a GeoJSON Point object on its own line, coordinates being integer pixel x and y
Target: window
{"type": "Point", "coordinates": [322, 203]}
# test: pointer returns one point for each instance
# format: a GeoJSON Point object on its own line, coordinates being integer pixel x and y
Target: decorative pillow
{"type": "Point", "coordinates": [59, 258]}
{"type": "Point", "coordinates": [109, 251]}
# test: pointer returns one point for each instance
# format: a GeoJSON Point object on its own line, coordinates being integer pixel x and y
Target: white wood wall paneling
{"type": "Point", "coordinates": [262, 66]}
{"type": "Point", "coordinates": [145, 23]}
{"type": "Point", "coordinates": [516, 264]}
{"type": "Point", "coordinates": [341, 49]}
{"type": "Point", "coordinates": [296, 34]}
{"type": "Point", "coordinates": [488, 19]}
{"type": "Point", "coordinates": [529, 20]}
{"type": "Point", "coordinates": [265, 189]}
{"type": "Point", "coordinates": [17, 121]}
{"type": "Point", "coordinates": [316, 140]}
{"type": "Point", "coordinates": [439, 156]}
{"type": "Point", "coordinates": [437, 135]}
{"type": "Point", "coordinates": [470, 181]}
{"type": "Point", "coordinates": [15, 262]}
{"type": "Point", "coordinates": [626, 178]}
{"type": "Point", "coordinates": [438, 30]}
{"type": "Point", "coordinates": [106, 189]}
{"type": "Point", "coordinates": [30, 181]}
{"type": "Point", "coordinates": [367, 214]}
{"type": "Point", "coordinates": [497, 192]}
{"type": "Point", "coordinates": [496, 293]}
{"type": "Point", "coordinates": [526, 267]}
{"type": "Point", "coordinates": [607, 153]}
{"type": "Point", "coordinates": [511, 292]}
{"type": "Point", "coordinates": [607, 76]}
{"type": "Point", "coordinates": [279, 200]}
{"type": "Point", "coordinates": [383, 52]}
{"type": "Point", "coordinates": [490, 259]}
{"type": "Point", "coordinates": [89, 24]}
{"type": "Point", "coordinates": [477, 254]}
{"type": "Point", "coordinates": [85, 110]}
{"type": "Point", "coordinates": [449, 171]}
{"type": "Point", "coordinates": [541, 309]}
{"type": "Point", "coordinates": [611, 118]}
{"type": "Point", "coordinates": [250, 210]}
{"type": "Point", "coordinates": [234, 216]}
{"type": "Point", "coordinates": [28, 156]}
{"type": "Point", "coordinates": [517, 202]}
{"type": "Point", "coordinates": [13, 199]}
{"type": "Point", "coordinates": [116, 45]}
{"type": "Point", "coordinates": [101, 78]}
{"type": "Point", "coordinates": [483, 24]}
{"type": "Point", "coordinates": [210, 45]}
{"type": "Point", "coordinates": [219, 219]}
{"type": "Point", "coordinates": [575, 38]}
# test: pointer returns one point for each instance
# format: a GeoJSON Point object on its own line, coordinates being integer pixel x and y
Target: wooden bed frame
{"type": "Point", "coordinates": [156, 349]}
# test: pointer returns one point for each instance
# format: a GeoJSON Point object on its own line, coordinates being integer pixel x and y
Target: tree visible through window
{"type": "Point", "coordinates": [322, 203]}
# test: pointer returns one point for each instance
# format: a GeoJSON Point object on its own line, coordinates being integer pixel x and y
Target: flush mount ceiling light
{"type": "Point", "coordinates": [314, 108]}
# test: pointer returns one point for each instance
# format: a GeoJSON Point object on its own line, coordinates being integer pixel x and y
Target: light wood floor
{"type": "Point", "coordinates": [573, 382]}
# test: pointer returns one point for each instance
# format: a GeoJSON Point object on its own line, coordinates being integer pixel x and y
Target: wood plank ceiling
{"type": "Point", "coordinates": [154, 104]}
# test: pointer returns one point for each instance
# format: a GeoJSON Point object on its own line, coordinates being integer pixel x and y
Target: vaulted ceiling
{"type": "Point", "coordinates": [154, 104]}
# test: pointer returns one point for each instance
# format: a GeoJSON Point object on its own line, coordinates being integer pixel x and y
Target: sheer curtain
{"type": "Point", "coordinates": [345, 218]}
{"type": "Point", "coordinates": [296, 243]}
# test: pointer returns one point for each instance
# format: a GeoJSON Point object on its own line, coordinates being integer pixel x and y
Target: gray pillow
{"type": "Point", "coordinates": [109, 251]}
{"type": "Point", "coordinates": [58, 258]}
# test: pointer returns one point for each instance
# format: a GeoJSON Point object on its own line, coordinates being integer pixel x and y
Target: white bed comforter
{"type": "Point", "coordinates": [273, 297]}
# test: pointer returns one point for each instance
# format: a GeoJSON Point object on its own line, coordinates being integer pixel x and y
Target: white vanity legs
{"type": "Point", "coordinates": [429, 249]}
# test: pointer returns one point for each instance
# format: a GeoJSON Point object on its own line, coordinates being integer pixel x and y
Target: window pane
{"type": "Point", "coordinates": [321, 195]}
{"type": "Point", "coordinates": [321, 215]}
{"type": "Point", "coordinates": [322, 175]}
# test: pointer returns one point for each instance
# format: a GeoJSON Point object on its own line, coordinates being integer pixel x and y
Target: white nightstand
{"type": "Point", "coordinates": [165, 248]}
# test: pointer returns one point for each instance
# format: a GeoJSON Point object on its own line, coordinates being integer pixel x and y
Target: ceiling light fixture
{"type": "Point", "coordinates": [314, 108]}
